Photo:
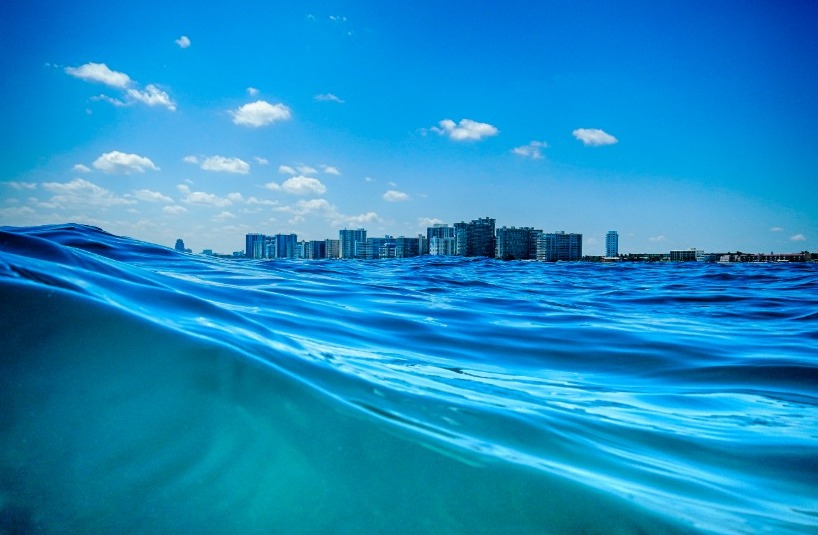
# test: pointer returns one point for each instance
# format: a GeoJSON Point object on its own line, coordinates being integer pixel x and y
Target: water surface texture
{"type": "Point", "coordinates": [147, 391]}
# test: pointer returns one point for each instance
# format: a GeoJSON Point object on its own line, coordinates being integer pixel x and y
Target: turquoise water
{"type": "Point", "coordinates": [147, 391]}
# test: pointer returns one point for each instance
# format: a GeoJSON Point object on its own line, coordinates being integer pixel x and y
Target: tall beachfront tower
{"type": "Point", "coordinates": [352, 242]}
{"type": "Point", "coordinates": [612, 244]}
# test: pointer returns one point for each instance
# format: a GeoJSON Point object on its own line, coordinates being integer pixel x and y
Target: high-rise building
{"type": "Point", "coordinates": [612, 244]}
{"type": "Point", "coordinates": [442, 246]}
{"type": "Point", "coordinates": [407, 247]}
{"type": "Point", "coordinates": [475, 238]}
{"type": "Point", "coordinates": [517, 243]}
{"type": "Point", "coordinates": [375, 248]}
{"type": "Point", "coordinates": [352, 243]}
{"type": "Point", "coordinates": [559, 246]}
{"type": "Point", "coordinates": [282, 246]}
{"type": "Point", "coordinates": [180, 245]}
{"type": "Point", "coordinates": [332, 248]}
{"type": "Point", "coordinates": [255, 246]}
{"type": "Point", "coordinates": [315, 249]}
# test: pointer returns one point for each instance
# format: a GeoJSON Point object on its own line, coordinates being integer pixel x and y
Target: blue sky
{"type": "Point", "coordinates": [678, 124]}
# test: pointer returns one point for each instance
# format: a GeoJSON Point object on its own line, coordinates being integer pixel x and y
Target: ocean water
{"type": "Point", "coordinates": [147, 391]}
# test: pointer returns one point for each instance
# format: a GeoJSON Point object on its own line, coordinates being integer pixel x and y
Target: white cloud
{"type": "Point", "coordinates": [116, 162]}
{"type": "Point", "coordinates": [80, 168]}
{"type": "Point", "coordinates": [322, 208]}
{"type": "Point", "coordinates": [466, 129]}
{"type": "Point", "coordinates": [286, 169]}
{"type": "Point", "coordinates": [306, 170]}
{"type": "Point", "coordinates": [261, 161]}
{"type": "Point", "coordinates": [328, 97]}
{"type": "Point", "coordinates": [252, 91]}
{"type": "Point", "coordinates": [21, 185]}
{"type": "Point", "coordinates": [272, 185]}
{"type": "Point", "coordinates": [798, 237]}
{"type": "Point", "coordinates": [533, 150]}
{"type": "Point", "coordinates": [221, 164]}
{"type": "Point", "coordinates": [202, 198]}
{"type": "Point", "coordinates": [330, 170]}
{"type": "Point", "coordinates": [152, 96]}
{"type": "Point", "coordinates": [261, 202]}
{"type": "Point", "coordinates": [395, 196]}
{"type": "Point", "coordinates": [594, 137]}
{"type": "Point", "coordinates": [99, 72]}
{"type": "Point", "coordinates": [659, 238]}
{"type": "Point", "coordinates": [174, 210]}
{"type": "Point", "coordinates": [84, 193]}
{"type": "Point", "coordinates": [361, 219]}
{"type": "Point", "coordinates": [183, 41]}
{"type": "Point", "coordinates": [303, 185]}
{"type": "Point", "coordinates": [425, 222]}
{"type": "Point", "coordinates": [260, 113]}
{"type": "Point", "coordinates": [191, 159]}
{"type": "Point", "coordinates": [776, 229]}
{"type": "Point", "coordinates": [109, 100]}
{"type": "Point", "coordinates": [369, 179]}
{"type": "Point", "coordinates": [151, 196]}
{"type": "Point", "coordinates": [224, 216]}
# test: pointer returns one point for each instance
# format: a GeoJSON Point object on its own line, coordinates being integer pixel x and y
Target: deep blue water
{"type": "Point", "coordinates": [147, 391]}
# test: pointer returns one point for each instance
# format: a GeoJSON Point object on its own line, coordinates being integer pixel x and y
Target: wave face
{"type": "Point", "coordinates": [148, 391]}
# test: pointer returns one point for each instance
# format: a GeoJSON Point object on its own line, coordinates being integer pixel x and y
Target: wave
{"type": "Point", "coordinates": [146, 390]}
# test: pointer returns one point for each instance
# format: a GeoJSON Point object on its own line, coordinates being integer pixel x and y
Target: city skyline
{"type": "Point", "coordinates": [680, 125]}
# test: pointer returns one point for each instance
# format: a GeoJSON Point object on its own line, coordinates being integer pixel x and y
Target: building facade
{"type": "Point", "coordinates": [476, 238]}
{"type": "Point", "coordinates": [254, 246]}
{"type": "Point", "coordinates": [612, 244]}
{"type": "Point", "coordinates": [352, 243]}
{"type": "Point", "coordinates": [408, 247]}
{"type": "Point", "coordinates": [514, 243]}
{"type": "Point", "coordinates": [332, 248]}
{"type": "Point", "coordinates": [282, 246]}
{"type": "Point", "coordinates": [559, 246]}
{"type": "Point", "coordinates": [442, 246]}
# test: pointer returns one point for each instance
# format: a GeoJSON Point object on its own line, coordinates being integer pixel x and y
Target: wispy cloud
{"type": "Point", "coordinates": [776, 229]}
{"type": "Point", "coordinates": [659, 238]}
{"type": "Point", "coordinates": [174, 210]}
{"type": "Point", "coordinates": [151, 95]}
{"type": "Point", "coordinates": [80, 192]}
{"type": "Point", "coordinates": [395, 196]}
{"type": "Point", "coordinates": [261, 161]}
{"type": "Point", "coordinates": [303, 185]}
{"type": "Point", "coordinates": [465, 130]}
{"type": "Point", "coordinates": [183, 41]}
{"type": "Point", "coordinates": [425, 222]}
{"type": "Point", "coordinates": [328, 97]}
{"type": "Point", "coordinates": [222, 164]}
{"type": "Point", "coordinates": [202, 198]}
{"type": "Point", "coordinates": [330, 170]}
{"type": "Point", "coordinates": [100, 73]}
{"type": "Point", "coordinates": [151, 196]}
{"type": "Point", "coordinates": [20, 185]}
{"type": "Point", "coordinates": [116, 162]}
{"type": "Point", "coordinates": [594, 137]}
{"type": "Point", "coordinates": [80, 168]}
{"type": "Point", "coordinates": [798, 237]}
{"type": "Point", "coordinates": [219, 164]}
{"type": "Point", "coordinates": [286, 169]}
{"type": "Point", "coordinates": [533, 150]}
{"type": "Point", "coordinates": [260, 113]}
